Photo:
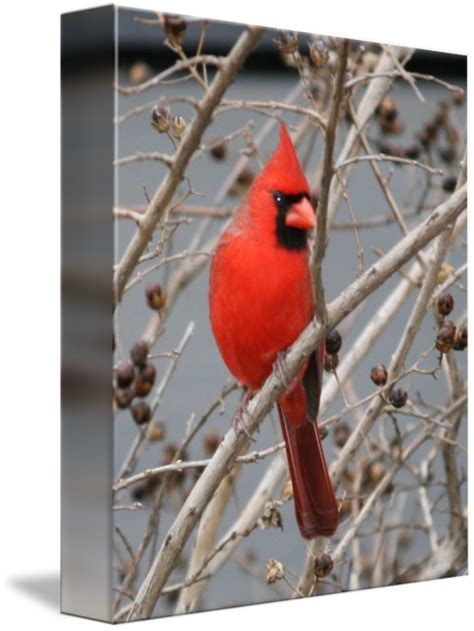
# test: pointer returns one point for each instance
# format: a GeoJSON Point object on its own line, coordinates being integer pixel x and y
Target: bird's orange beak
{"type": "Point", "coordinates": [301, 215]}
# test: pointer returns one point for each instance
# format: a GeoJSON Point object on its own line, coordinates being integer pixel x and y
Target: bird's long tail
{"type": "Point", "coordinates": [316, 506]}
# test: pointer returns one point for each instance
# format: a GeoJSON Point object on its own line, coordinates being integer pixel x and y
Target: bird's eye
{"type": "Point", "coordinates": [279, 198]}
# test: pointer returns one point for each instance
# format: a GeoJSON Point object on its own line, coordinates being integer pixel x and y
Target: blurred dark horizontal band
{"type": "Point", "coordinates": [139, 41]}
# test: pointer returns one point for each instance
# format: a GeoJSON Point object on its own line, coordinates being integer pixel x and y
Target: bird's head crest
{"type": "Point", "coordinates": [283, 170]}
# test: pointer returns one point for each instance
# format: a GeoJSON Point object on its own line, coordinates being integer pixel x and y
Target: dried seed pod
{"type": "Point", "coordinates": [139, 353]}
{"type": "Point", "coordinates": [388, 109]}
{"type": "Point", "coordinates": [289, 60]}
{"type": "Point", "coordinates": [178, 126]}
{"type": "Point", "coordinates": [345, 508]}
{"type": "Point", "coordinates": [444, 273]}
{"type": "Point", "coordinates": [218, 148]}
{"type": "Point", "coordinates": [155, 296]}
{"type": "Point", "coordinates": [460, 339]}
{"type": "Point", "coordinates": [447, 154]}
{"type": "Point", "coordinates": [458, 97]}
{"type": "Point", "coordinates": [331, 362]}
{"type": "Point", "coordinates": [172, 598]}
{"type": "Point", "coordinates": [445, 339]}
{"type": "Point", "coordinates": [243, 181]}
{"type": "Point", "coordinates": [452, 135]}
{"type": "Point", "coordinates": [341, 434]}
{"type": "Point", "coordinates": [145, 380]}
{"type": "Point", "coordinates": [287, 42]}
{"type": "Point", "coordinates": [246, 176]}
{"type": "Point", "coordinates": [392, 150]}
{"type": "Point", "coordinates": [333, 342]}
{"type": "Point", "coordinates": [275, 571]}
{"type": "Point", "coordinates": [250, 556]}
{"type": "Point", "coordinates": [145, 489]}
{"type": "Point", "coordinates": [449, 183]}
{"type": "Point", "coordinates": [405, 538]}
{"type": "Point", "coordinates": [323, 565]}
{"type": "Point", "coordinates": [139, 72]}
{"type": "Point", "coordinates": [449, 326]}
{"type": "Point", "coordinates": [161, 118]}
{"type": "Point", "coordinates": [138, 492]}
{"type": "Point", "coordinates": [168, 453]}
{"type": "Point", "coordinates": [412, 151]}
{"type": "Point", "coordinates": [442, 114]}
{"type": "Point", "coordinates": [271, 516]}
{"type": "Point", "coordinates": [391, 126]}
{"type": "Point", "coordinates": [212, 440]}
{"type": "Point", "coordinates": [398, 397]}
{"type": "Point", "coordinates": [156, 431]}
{"type": "Point", "coordinates": [424, 139]}
{"type": "Point", "coordinates": [175, 28]}
{"type": "Point", "coordinates": [379, 375]}
{"type": "Point", "coordinates": [445, 303]}
{"type": "Point", "coordinates": [141, 412]}
{"type": "Point", "coordinates": [124, 374]}
{"type": "Point", "coordinates": [375, 473]}
{"type": "Point", "coordinates": [431, 131]}
{"type": "Point", "coordinates": [123, 397]}
{"type": "Point", "coordinates": [318, 54]}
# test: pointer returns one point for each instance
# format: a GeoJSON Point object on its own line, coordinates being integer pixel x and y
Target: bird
{"type": "Point", "coordinates": [260, 300]}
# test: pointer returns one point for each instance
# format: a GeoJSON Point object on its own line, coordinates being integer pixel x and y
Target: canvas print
{"type": "Point", "coordinates": [290, 315]}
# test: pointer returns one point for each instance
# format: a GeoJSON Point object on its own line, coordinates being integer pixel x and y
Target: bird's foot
{"type": "Point", "coordinates": [238, 422]}
{"type": "Point", "coordinates": [280, 370]}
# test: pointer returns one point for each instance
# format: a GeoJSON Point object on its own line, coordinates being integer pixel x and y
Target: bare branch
{"type": "Point", "coordinates": [328, 172]}
{"type": "Point", "coordinates": [163, 195]}
{"type": "Point", "coordinates": [259, 406]}
{"type": "Point", "coordinates": [184, 64]}
{"type": "Point", "coordinates": [381, 157]}
{"type": "Point", "coordinates": [373, 95]}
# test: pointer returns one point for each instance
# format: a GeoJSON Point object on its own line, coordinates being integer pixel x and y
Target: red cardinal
{"type": "Point", "coordinates": [261, 299]}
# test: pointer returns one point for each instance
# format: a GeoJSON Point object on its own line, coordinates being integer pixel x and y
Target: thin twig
{"type": "Point", "coordinates": [328, 172]}
{"type": "Point", "coordinates": [183, 64]}
{"type": "Point", "coordinates": [382, 157]}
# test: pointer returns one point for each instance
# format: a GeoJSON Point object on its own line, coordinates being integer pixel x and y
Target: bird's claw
{"type": "Point", "coordinates": [280, 369]}
{"type": "Point", "coordinates": [238, 422]}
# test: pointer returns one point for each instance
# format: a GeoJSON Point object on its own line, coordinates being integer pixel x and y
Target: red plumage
{"type": "Point", "coordinates": [260, 299]}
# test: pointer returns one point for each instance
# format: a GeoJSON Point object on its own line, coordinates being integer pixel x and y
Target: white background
{"type": "Point", "coordinates": [29, 309]}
